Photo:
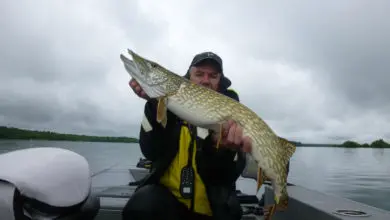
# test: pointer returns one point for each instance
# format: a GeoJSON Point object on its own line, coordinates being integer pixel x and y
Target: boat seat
{"type": "Point", "coordinates": [46, 183]}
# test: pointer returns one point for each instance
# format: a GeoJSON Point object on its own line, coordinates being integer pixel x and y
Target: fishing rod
{"type": "Point", "coordinates": [104, 170]}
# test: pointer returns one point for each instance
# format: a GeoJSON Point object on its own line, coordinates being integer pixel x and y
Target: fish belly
{"type": "Point", "coordinates": [195, 116]}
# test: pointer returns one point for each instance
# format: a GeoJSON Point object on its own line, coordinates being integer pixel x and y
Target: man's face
{"type": "Point", "coordinates": [206, 75]}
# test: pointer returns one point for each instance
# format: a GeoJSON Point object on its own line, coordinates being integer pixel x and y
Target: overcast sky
{"type": "Point", "coordinates": [315, 71]}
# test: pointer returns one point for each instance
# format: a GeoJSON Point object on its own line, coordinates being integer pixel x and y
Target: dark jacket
{"type": "Point", "coordinates": [217, 169]}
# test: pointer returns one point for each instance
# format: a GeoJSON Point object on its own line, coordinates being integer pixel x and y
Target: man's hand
{"type": "Point", "coordinates": [137, 89]}
{"type": "Point", "coordinates": [232, 137]}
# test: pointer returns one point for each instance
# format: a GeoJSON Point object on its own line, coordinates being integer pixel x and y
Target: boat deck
{"type": "Point", "coordinates": [304, 204]}
{"type": "Point", "coordinates": [113, 199]}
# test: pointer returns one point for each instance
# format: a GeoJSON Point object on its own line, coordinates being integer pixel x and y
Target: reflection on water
{"type": "Point", "coordinates": [358, 174]}
{"type": "Point", "coordinates": [378, 154]}
{"type": "Point", "coordinates": [349, 152]}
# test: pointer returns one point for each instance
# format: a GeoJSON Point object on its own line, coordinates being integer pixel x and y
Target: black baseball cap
{"type": "Point", "coordinates": [210, 56]}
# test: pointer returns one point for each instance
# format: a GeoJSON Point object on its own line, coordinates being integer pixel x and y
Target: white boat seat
{"type": "Point", "coordinates": [45, 183]}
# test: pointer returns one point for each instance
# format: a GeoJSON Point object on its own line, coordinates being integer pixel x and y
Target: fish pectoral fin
{"type": "Point", "coordinates": [260, 179]}
{"type": "Point", "coordinates": [219, 136]}
{"type": "Point", "coordinates": [162, 111]}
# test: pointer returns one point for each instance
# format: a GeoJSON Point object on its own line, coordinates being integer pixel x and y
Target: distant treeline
{"type": "Point", "coordinates": [296, 143]}
{"type": "Point", "coordinates": [375, 144]}
{"type": "Point", "coordinates": [347, 144]}
{"type": "Point", "coordinates": [299, 144]}
{"type": "Point", "coordinates": [23, 134]}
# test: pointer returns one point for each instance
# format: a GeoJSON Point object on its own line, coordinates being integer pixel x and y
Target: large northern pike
{"type": "Point", "coordinates": [206, 108]}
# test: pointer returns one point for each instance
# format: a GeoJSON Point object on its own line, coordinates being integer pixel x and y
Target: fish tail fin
{"type": "Point", "coordinates": [269, 211]}
{"type": "Point", "coordinates": [219, 136]}
{"type": "Point", "coordinates": [283, 200]}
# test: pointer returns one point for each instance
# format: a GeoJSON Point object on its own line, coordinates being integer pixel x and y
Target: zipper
{"type": "Point", "coordinates": [190, 156]}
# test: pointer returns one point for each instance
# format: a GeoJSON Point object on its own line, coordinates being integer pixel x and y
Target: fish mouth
{"type": "Point", "coordinates": [137, 58]}
{"type": "Point", "coordinates": [141, 70]}
{"type": "Point", "coordinates": [132, 68]}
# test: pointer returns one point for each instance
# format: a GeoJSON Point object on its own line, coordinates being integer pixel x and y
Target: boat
{"type": "Point", "coordinates": [54, 183]}
{"type": "Point", "coordinates": [249, 203]}
{"type": "Point", "coordinates": [304, 204]}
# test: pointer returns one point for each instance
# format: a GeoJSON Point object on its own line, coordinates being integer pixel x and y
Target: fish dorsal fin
{"type": "Point", "coordinates": [162, 111]}
{"type": "Point", "coordinates": [287, 147]}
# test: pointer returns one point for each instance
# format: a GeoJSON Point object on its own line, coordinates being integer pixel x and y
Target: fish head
{"type": "Point", "coordinates": [153, 78]}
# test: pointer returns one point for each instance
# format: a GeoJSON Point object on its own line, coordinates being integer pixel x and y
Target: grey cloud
{"type": "Point", "coordinates": [57, 58]}
{"type": "Point", "coordinates": [349, 43]}
{"type": "Point", "coordinates": [314, 71]}
{"type": "Point", "coordinates": [55, 42]}
{"type": "Point", "coordinates": [346, 44]}
{"type": "Point", "coordinates": [78, 116]}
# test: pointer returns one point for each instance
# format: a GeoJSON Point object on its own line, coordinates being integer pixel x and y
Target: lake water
{"type": "Point", "coordinates": [362, 175]}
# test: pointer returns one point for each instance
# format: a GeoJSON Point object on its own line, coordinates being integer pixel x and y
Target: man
{"type": "Point", "coordinates": [190, 178]}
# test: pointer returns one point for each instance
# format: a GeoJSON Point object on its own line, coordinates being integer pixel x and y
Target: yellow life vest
{"type": "Point", "coordinates": [171, 178]}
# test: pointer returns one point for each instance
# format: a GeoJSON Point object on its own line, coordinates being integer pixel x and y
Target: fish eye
{"type": "Point", "coordinates": [152, 65]}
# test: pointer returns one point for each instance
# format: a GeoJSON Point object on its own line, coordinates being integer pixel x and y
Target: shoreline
{"type": "Point", "coordinates": [68, 140]}
{"type": "Point", "coordinates": [11, 133]}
